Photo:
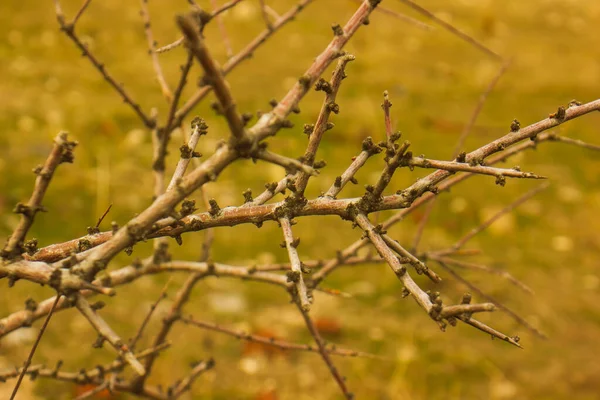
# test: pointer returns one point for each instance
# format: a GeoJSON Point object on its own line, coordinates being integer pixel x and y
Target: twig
{"type": "Point", "coordinates": [404, 18]}
{"type": "Point", "coordinates": [214, 77]}
{"type": "Point", "coordinates": [185, 384]}
{"type": "Point", "coordinates": [188, 151]}
{"type": "Point", "coordinates": [224, 36]}
{"type": "Point", "coordinates": [386, 253]}
{"type": "Point", "coordinates": [140, 331]}
{"type": "Point", "coordinates": [482, 99]}
{"type": "Point", "coordinates": [270, 122]}
{"type": "Point", "coordinates": [386, 105]}
{"type": "Point", "coordinates": [170, 46]}
{"type": "Point", "coordinates": [576, 142]}
{"type": "Point", "coordinates": [369, 149]}
{"type": "Point", "coordinates": [32, 352]}
{"type": "Point", "coordinates": [452, 29]}
{"type": "Point", "coordinates": [215, 14]}
{"type": "Point", "coordinates": [322, 124]}
{"type": "Point", "coordinates": [103, 216]}
{"type": "Point", "coordinates": [69, 30]}
{"type": "Point", "coordinates": [296, 274]}
{"type": "Point", "coordinates": [271, 341]}
{"type": "Point", "coordinates": [461, 140]}
{"type": "Point", "coordinates": [285, 162]}
{"type": "Point", "coordinates": [108, 334]}
{"type": "Point", "coordinates": [270, 192]}
{"type": "Point", "coordinates": [419, 265]}
{"type": "Point", "coordinates": [80, 12]}
{"type": "Point", "coordinates": [242, 55]}
{"type": "Point", "coordinates": [94, 390]}
{"type": "Point", "coordinates": [462, 241]}
{"type": "Point", "coordinates": [58, 278]}
{"type": "Point", "coordinates": [479, 267]}
{"type": "Point", "coordinates": [453, 166]}
{"type": "Point", "coordinates": [498, 304]}
{"type": "Point", "coordinates": [265, 15]}
{"type": "Point", "coordinates": [61, 152]}
{"type": "Point", "coordinates": [495, 334]}
{"type": "Point", "coordinates": [185, 70]}
{"type": "Point", "coordinates": [164, 86]}
{"type": "Point", "coordinates": [94, 374]}
{"type": "Point", "coordinates": [323, 352]}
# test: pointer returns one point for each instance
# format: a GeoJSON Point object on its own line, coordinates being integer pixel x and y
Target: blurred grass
{"type": "Point", "coordinates": [434, 79]}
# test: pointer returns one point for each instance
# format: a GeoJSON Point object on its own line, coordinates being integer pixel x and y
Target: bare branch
{"type": "Point", "coordinates": [482, 99]}
{"type": "Point", "coordinates": [498, 304]}
{"type": "Point", "coordinates": [265, 14]}
{"type": "Point", "coordinates": [106, 332]}
{"type": "Point", "coordinates": [323, 352]}
{"type": "Point", "coordinates": [61, 152]}
{"type": "Point", "coordinates": [271, 341]}
{"type": "Point", "coordinates": [452, 29]}
{"type": "Point", "coordinates": [214, 76]}
{"type": "Point", "coordinates": [285, 162]}
{"type": "Point", "coordinates": [188, 151]}
{"type": "Point", "coordinates": [404, 18]}
{"type": "Point", "coordinates": [140, 331]}
{"type": "Point", "coordinates": [185, 384]}
{"type": "Point", "coordinates": [296, 274]}
{"type": "Point", "coordinates": [462, 241]}
{"type": "Point", "coordinates": [576, 142]}
{"type": "Point", "coordinates": [270, 122]}
{"type": "Point", "coordinates": [164, 86]}
{"type": "Point", "coordinates": [479, 267]}
{"type": "Point", "coordinates": [244, 54]}
{"type": "Point", "coordinates": [33, 348]}
{"type": "Point", "coordinates": [226, 41]}
{"type": "Point", "coordinates": [419, 266]}
{"type": "Point", "coordinates": [95, 374]}
{"type": "Point", "coordinates": [452, 166]}
{"type": "Point", "coordinates": [69, 30]}
{"type": "Point", "coordinates": [322, 124]}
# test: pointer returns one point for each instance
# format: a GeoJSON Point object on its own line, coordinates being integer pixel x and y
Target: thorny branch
{"type": "Point", "coordinates": [78, 269]}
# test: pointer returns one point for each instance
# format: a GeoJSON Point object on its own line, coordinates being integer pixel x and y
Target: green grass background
{"type": "Point", "coordinates": [434, 80]}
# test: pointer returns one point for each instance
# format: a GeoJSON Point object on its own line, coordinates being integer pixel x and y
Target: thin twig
{"type": "Point", "coordinates": [69, 30]}
{"type": "Point", "coordinates": [214, 77]}
{"type": "Point", "coordinates": [185, 70]}
{"type": "Point", "coordinates": [324, 353]}
{"type": "Point", "coordinates": [138, 335]}
{"type": "Point", "coordinates": [94, 390]}
{"type": "Point", "coordinates": [242, 55]}
{"type": "Point", "coordinates": [94, 374]}
{"type": "Point", "coordinates": [452, 29]}
{"type": "Point", "coordinates": [271, 341]}
{"type": "Point", "coordinates": [265, 15]}
{"type": "Point", "coordinates": [482, 99]}
{"type": "Point", "coordinates": [188, 151]}
{"type": "Point", "coordinates": [224, 36]}
{"type": "Point", "coordinates": [286, 162]}
{"type": "Point", "coordinates": [61, 152]}
{"type": "Point", "coordinates": [33, 348]}
{"type": "Point", "coordinates": [479, 267]}
{"type": "Point", "coordinates": [106, 332]}
{"type": "Point", "coordinates": [322, 124]}
{"type": "Point", "coordinates": [296, 274]}
{"type": "Point", "coordinates": [501, 306]}
{"type": "Point", "coordinates": [485, 224]}
{"type": "Point", "coordinates": [404, 18]}
{"type": "Point", "coordinates": [164, 86]}
{"type": "Point", "coordinates": [80, 12]}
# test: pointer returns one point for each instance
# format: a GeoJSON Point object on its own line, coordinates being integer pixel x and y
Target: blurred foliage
{"type": "Point", "coordinates": [434, 79]}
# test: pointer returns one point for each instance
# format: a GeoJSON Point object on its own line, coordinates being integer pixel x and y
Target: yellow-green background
{"type": "Point", "coordinates": [434, 80]}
